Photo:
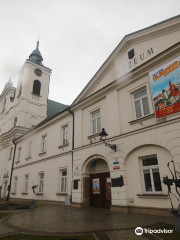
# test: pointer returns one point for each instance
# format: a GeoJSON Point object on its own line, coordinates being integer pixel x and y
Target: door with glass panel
{"type": "Point", "coordinates": [100, 190]}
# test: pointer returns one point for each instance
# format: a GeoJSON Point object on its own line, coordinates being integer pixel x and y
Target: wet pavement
{"type": "Point", "coordinates": [63, 220]}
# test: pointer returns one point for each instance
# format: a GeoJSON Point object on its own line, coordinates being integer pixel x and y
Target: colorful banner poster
{"type": "Point", "coordinates": [96, 186]}
{"type": "Point", "coordinates": [165, 85]}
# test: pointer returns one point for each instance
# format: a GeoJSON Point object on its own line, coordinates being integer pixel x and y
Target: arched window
{"type": "Point", "coordinates": [36, 87]}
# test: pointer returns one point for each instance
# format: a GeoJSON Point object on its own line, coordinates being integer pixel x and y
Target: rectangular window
{"type": "Point", "coordinates": [96, 122]}
{"type": "Point", "coordinates": [44, 143]}
{"type": "Point", "coordinates": [29, 150]}
{"type": "Point", "coordinates": [141, 103]}
{"type": "Point", "coordinates": [15, 184]}
{"type": "Point", "coordinates": [63, 180]}
{"type": "Point", "coordinates": [65, 135]}
{"type": "Point", "coordinates": [41, 182]}
{"type": "Point", "coordinates": [19, 155]}
{"type": "Point", "coordinates": [152, 181]}
{"type": "Point", "coordinates": [10, 153]}
{"type": "Point", "coordinates": [26, 183]}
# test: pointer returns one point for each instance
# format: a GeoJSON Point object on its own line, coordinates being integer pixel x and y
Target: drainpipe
{"type": "Point", "coordinates": [72, 147]}
{"type": "Point", "coordinates": [9, 186]}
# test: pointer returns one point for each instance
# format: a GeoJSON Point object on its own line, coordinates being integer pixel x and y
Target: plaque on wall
{"type": "Point", "coordinates": [117, 182]}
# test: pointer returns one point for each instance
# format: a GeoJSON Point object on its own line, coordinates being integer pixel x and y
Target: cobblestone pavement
{"type": "Point", "coordinates": [63, 220]}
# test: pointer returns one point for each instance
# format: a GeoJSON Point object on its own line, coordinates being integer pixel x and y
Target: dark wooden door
{"type": "Point", "coordinates": [100, 190]}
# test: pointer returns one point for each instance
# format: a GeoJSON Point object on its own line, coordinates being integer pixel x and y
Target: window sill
{"type": "Point", "coordinates": [28, 158]}
{"type": "Point", "coordinates": [24, 193]}
{"type": "Point", "coordinates": [153, 195]}
{"type": "Point", "coordinates": [40, 194]}
{"type": "Point", "coordinates": [43, 153]}
{"type": "Point", "coordinates": [62, 146]}
{"type": "Point", "coordinates": [142, 119]}
{"type": "Point", "coordinates": [36, 95]}
{"type": "Point", "coordinates": [13, 193]}
{"type": "Point", "coordinates": [61, 194]}
{"type": "Point", "coordinates": [17, 162]}
{"type": "Point", "coordinates": [94, 136]}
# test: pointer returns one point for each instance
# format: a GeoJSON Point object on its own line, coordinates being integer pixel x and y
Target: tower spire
{"type": "Point", "coordinates": [36, 56]}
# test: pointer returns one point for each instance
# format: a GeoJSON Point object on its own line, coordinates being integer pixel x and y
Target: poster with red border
{"type": "Point", "coordinates": [165, 86]}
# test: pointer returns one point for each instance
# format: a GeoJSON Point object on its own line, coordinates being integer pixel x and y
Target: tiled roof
{"type": "Point", "coordinates": [54, 107]}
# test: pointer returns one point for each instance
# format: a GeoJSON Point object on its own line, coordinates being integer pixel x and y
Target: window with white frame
{"type": "Point", "coordinates": [63, 184]}
{"type": "Point", "coordinates": [19, 155]}
{"type": "Point", "coordinates": [65, 135]}
{"type": "Point", "coordinates": [151, 176]}
{"type": "Point", "coordinates": [29, 149]}
{"type": "Point", "coordinates": [41, 182]}
{"type": "Point", "coordinates": [10, 153]}
{"type": "Point", "coordinates": [44, 143]}
{"type": "Point", "coordinates": [96, 121]}
{"type": "Point", "coordinates": [26, 183]}
{"type": "Point", "coordinates": [141, 104]}
{"type": "Point", "coordinates": [15, 184]}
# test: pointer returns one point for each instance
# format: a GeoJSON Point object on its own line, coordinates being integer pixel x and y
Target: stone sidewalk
{"type": "Point", "coordinates": [63, 220]}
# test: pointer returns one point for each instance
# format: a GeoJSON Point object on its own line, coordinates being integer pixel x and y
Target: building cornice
{"type": "Point", "coordinates": [44, 159]}
{"type": "Point", "coordinates": [127, 134]}
{"type": "Point", "coordinates": [159, 29]}
{"type": "Point", "coordinates": [12, 134]}
{"type": "Point", "coordinates": [132, 76]}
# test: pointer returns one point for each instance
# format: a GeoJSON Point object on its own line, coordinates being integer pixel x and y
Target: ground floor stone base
{"type": "Point", "coordinates": [141, 210]}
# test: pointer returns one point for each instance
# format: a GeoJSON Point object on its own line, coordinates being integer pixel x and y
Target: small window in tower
{"type": "Point", "coordinates": [15, 121]}
{"type": "Point", "coordinates": [36, 87]}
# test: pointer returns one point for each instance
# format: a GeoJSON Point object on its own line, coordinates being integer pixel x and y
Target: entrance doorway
{"type": "Point", "coordinates": [100, 190]}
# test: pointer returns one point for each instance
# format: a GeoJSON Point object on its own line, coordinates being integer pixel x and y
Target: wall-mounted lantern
{"type": "Point", "coordinates": [103, 135]}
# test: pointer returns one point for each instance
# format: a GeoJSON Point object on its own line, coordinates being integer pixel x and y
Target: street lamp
{"type": "Point", "coordinates": [103, 135]}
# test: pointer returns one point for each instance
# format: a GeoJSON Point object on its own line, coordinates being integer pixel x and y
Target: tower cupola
{"type": "Point", "coordinates": [36, 56]}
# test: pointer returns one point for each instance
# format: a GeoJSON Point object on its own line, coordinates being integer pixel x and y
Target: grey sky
{"type": "Point", "coordinates": [76, 36]}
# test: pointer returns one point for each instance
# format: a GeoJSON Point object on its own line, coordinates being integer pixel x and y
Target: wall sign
{"type": "Point", "coordinates": [132, 59]}
{"type": "Point", "coordinates": [116, 167]}
{"type": "Point", "coordinates": [165, 85]}
{"type": "Point", "coordinates": [116, 162]}
{"type": "Point", "coordinates": [77, 173]}
{"type": "Point", "coordinates": [108, 180]}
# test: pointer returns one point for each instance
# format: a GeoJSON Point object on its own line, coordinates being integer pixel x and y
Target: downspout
{"type": "Point", "coordinates": [72, 146]}
{"type": "Point", "coordinates": [9, 186]}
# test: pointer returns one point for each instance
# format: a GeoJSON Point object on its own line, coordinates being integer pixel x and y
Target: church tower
{"type": "Point", "coordinates": [32, 91]}
{"type": "Point", "coordinates": [21, 108]}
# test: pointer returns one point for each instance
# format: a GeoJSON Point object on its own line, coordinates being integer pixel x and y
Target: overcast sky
{"type": "Point", "coordinates": [76, 36]}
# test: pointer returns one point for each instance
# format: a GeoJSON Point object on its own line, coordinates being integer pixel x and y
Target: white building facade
{"type": "Point", "coordinates": [65, 156]}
